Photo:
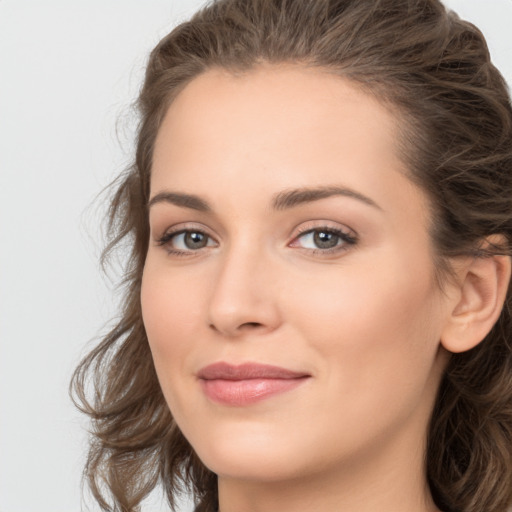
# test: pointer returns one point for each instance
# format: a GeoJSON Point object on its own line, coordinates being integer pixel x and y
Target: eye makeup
{"type": "Point", "coordinates": [320, 239]}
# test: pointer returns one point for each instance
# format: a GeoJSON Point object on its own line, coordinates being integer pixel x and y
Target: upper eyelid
{"type": "Point", "coordinates": [170, 234]}
{"type": "Point", "coordinates": [302, 231]}
{"type": "Point", "coordinates": [183, 227]}
{"type": "Point", "coordinates": [307, 227]}
{"type": "Point", "coordinates": [346, 236]}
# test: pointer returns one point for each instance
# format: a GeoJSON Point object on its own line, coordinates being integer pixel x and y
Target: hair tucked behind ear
{"type": "Point", "coordinates": [456, 137]}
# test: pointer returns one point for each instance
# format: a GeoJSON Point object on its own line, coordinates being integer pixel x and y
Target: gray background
{"type": "Point", "coordinates": [69, 71]}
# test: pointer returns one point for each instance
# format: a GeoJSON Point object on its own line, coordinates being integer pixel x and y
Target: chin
{"type": "Point", "coordinates": [252, 465]}
{"type": "Point", "coordinates": [248, 452]}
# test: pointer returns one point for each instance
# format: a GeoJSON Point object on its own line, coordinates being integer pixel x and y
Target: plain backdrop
{"type": "Point", "coordinates": [69, 72]}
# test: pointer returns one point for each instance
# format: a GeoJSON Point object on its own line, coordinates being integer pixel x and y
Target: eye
{"type": "Point", "coordinates": [186, 241]}
{"type": "Point", "coordinates": [324, 239]}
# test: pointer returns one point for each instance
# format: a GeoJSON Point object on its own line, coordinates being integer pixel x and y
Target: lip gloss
{"type": "Point", "coordinates": [239, 385]}
{"type": "Point", "coordinates": [249, 391]}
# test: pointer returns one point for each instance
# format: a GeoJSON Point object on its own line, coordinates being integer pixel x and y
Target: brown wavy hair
{"type": "Point", "coordinates": [456, 137]}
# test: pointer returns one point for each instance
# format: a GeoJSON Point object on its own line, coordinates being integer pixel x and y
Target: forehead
{"type": "Point", "coordinates": [276, 127]}
{"type": "Point", "coordinates": [276, 104]}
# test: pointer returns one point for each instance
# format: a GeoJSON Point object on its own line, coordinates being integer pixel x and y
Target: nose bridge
{"type": "Point", "coordinates": [243, 293]}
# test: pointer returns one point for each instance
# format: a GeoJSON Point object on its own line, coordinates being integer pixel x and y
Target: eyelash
{"type": "Point", "coordinates": [347, 240]}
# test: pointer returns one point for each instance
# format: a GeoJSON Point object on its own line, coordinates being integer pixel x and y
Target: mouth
{"type": "Point", "coordinates": [240, 385]}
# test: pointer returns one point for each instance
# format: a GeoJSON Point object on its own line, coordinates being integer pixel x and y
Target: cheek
{"type": "Point", "coordinates": [171, 314]}
{"type": "Point", "coordinates": [375, 342]}
{"type": "Point", "coordinates": [376, 330]}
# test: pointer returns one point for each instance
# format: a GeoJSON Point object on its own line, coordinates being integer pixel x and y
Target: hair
{"type": "Point", "coordinates": [456, 138]}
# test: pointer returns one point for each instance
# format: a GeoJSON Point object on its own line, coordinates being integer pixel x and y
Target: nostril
{"type": "Point", "coordinates": [241, 327]}
{"type": "Point", "coordinates": [250, 325]}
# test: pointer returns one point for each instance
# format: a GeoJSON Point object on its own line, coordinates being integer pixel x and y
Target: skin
{"type": "Point", "coordinates": [364, 320]}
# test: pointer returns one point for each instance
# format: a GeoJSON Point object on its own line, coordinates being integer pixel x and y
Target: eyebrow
{"type": "Point", "coordinates": [295, 197]}
{"type": "Point", "coordinates": [281, 201]}
{"type": "Point", "coordinates": [180, 199]}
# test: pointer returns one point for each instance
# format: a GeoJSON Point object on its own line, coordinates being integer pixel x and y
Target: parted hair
{"type": "Point", "coordinates": [455, 117]}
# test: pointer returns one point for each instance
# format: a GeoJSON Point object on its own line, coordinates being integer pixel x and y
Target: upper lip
{"type": "Point", "coordinates": [245, 371]}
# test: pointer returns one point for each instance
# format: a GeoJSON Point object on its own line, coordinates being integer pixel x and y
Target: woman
{"type": "Point", "coordinates": [317, 313]}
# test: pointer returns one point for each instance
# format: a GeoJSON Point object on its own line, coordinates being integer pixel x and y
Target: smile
{"type": "Point", "coordinates": [248, 383]}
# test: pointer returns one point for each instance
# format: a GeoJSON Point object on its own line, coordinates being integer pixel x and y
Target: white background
{"type": "Point", "coordinates": [69, 71]}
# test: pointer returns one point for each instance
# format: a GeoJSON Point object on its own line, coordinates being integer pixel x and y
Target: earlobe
{"type": "Point", "coordinates": [480, 298]}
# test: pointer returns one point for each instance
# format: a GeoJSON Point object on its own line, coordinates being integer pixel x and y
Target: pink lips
{"type": "Point", "coordinates": [247, 383]}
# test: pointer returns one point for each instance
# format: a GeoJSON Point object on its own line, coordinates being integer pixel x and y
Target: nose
{"type": "Point", "coordinates": [244, 297]}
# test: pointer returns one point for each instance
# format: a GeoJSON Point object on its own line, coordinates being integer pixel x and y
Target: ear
{"type": "Point", "coordinates": [478, 301]}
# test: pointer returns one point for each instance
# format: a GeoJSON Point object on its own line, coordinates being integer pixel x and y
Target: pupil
{"type": "Point", "coordinates": [325, 240]}
{"type": "Point", "coordinates": [194, 240]}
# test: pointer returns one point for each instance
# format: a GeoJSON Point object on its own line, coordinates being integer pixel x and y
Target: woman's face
{"type": "Point", "coordinates": [284, 233]}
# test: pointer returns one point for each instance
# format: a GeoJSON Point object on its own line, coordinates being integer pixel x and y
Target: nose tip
{"type": "Point", "coordinates": [243, 300]}
{"type": "Point", "coordinates": [243, 318]}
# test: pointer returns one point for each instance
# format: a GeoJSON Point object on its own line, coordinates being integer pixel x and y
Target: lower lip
{"type": "Point", "coordinates": [249, 391]}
